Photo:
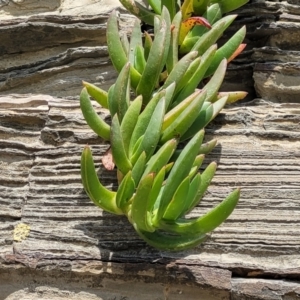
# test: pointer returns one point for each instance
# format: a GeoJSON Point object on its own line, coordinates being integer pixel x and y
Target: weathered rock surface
{"type": "Point", "coordinates": [16, 8]}
{"type": "Point", "coordinates": [272, 53]}
{"type": "Point", "coordinates": [75, 250]}
{"type": "Point", "coordinates": [69, 248]}
{"type": "Point", "coordinates": [49, 47]}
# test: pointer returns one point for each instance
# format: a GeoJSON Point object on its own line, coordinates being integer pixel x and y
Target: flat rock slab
{"type": "Point", "coordinates": [55, 47]}
{"type": "Point", "coordinates": [11, 9]}
{"type": "Point", "coordinates": [67, 247]}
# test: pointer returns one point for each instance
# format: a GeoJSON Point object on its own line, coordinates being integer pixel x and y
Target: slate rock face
{"type": "Point", "coordinates": [276, 70]}
{"type": "Point", "coordinates": [269, 67]}
{"type": "Point", "coordinates": [55, 244]}
{"type": "Point", "coordinates": [50, 46]}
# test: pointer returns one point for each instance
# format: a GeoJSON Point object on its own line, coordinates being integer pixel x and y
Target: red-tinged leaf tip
{"type": "Point", "coordinates": [203, 22]}
{"type": "Point", "coordinates": [236, 52]}
{"type": "Point", "coordinates": [197, 21]}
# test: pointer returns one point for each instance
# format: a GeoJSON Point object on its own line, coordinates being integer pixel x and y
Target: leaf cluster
{"type": "Point", "coordinates": [160, 183]}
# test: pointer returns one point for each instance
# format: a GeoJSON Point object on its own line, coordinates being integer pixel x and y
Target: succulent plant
{"type": "Point", "coordinates": [156, 194]}
{"type": "Point", "coordinates": [197, 24]}
{"type": "Point", "coordinates": [154, 105]}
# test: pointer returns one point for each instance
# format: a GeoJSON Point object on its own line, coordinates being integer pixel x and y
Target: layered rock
{"type": "Point", "coordinates": [273, 35]}
{"type": "Point", "coordinates": [55, 244]}
{"type": "Point", "coordinates": [49, 47]}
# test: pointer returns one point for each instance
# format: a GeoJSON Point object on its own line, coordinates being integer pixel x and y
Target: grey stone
{"type": "Point", "coordinates": [74, 250]}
